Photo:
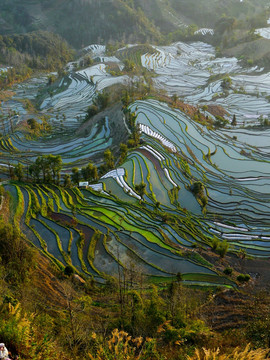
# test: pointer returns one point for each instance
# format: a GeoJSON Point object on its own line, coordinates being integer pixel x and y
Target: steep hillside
{"type": "Point", "coordinates": [83, 22]}
{"type": "Point", "coordinates": [206, 13]}
{"type": "Point", "coordinates": [80, 22]}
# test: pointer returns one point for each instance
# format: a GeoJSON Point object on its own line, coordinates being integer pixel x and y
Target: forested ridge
{"type": "Point", "coordinates": [83, 22]}
{"type": "Point", "coordinates": [25, 53]}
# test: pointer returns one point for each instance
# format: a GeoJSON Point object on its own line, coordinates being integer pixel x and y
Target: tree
{"type": "Point", "coordinates": [67, 181]}
{"type": "Point", "coordinates": [197, 187]}
{"type": "Point", "coordinates": [55, 165]}
{"type": "Point", "coordinates": [222, 248]}
{"type": "Point", "coordinates": [234, 123]}
{"type": "Point", "coordinates": [75, 176]}
{"type": "Point", "coordinates": [102, 100]}
{"type": "Point", "coordinates": [89, 172]}
{"type": "Point", "coordinates": [157, 205]}
{"type": "Point", "coordinates": [34, 125]}
{"type": "Point", "coordinates": [174, 99]}
{"type": "Point", "coordinates": [125, 98]}
{"type": "Point", "coordinates": [226, 82]}
{"type": "Point", "coordinates": [34, 171]}
{"type": "Point", "coordinates": [43, 164]}
{"type": "Point", "coordinates": [204, 108]}
{"type": "Point", "coordinates": [191, 29]}
{"type": "Point", "coordinates": [154, 315]}
{"type": "Point", "coordinates": [141, 189]}
{"type": "Point", "coordinates": [129, 65]}
{"type": "Point", "coordinates": [18, 170]}
{"type": "Point", "coordinates": [135, 136]}
{"type": "Point", "coordinates": [68, 270]}
{"type": "Point", "coordinates": [123, 152]}
{"type": "Point", "coordinates": [16, 256]}
{"type": "Point", "coordinates": [91, 111]}
{"type": "Point", "coordinates": [109, 159]}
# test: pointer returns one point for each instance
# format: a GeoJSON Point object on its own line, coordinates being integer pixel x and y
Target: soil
{"type": "Point", "coordinates": [217, 110]}
{"type": "Point", "coordinates": [231, 309]}
{"type": "Point", "coordinates": [257, 268]}
{"type": "Point", "coordinates": [6, 95]}
{"type": "Point", "coordinates": [45, 282]}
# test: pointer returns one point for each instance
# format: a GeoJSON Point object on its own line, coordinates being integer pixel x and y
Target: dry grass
{"type": "Point", "coordinates": [6, 95]}
{"type": "Point", "coordinates": [121, 346]}
{"type": "Point", "coordinates": [237, 354]}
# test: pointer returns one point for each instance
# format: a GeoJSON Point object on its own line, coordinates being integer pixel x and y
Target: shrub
{"type": "Point", "coordinates": [91, 111]}
{"type": "Point", "coordinates": [228, 271]}
{"type": "Point", "coordinates": [222, 248]}
{"type": "Point", "coordinates": [243, 278]}
{"type": "Point", "coordinates": [237, 354]}
{"type": "Point", "coordinates": [68, 270]}
{"type": "Point", "coordinates": [214, 243]}
{"type": "Point", "coordinates": [121, 346]}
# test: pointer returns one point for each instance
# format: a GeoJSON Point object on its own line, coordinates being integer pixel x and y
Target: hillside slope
{"type": "Point", "coordinates": [79, 22]}
{"type": "Point", "coordinates": [83, 22]}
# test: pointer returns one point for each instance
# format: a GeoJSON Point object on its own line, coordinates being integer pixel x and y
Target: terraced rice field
{"type": "Point", "coordinates": [70, 104]}
{"type": "Point", "coordinates": [236, 174]}
{"type": "Point", "coordinates": [264, 32]}
{"type": "Point", "coordinates": [100, 235]}
{"type": "Point", "coordinates": [96, 232]}
{"type": "Point", "coordinates": [105, 229]}
{"type": "Point", "coordinates": [194, 73]}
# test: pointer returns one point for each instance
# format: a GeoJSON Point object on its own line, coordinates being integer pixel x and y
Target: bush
{"type": "Point", "coordinates": [243, 278]}
{"type": "Point", "coordinates": [91, 111]}
{"type": "Point", "coordinates": [228, 271]}
{"type": "Point", "coordinates": [222, 248]}
{"type": "Point", "coordinates": [236, 354]}
{"type": "Point", "coordinates": [68, 270]}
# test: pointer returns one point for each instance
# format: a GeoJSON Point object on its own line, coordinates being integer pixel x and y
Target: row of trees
{"type": "Point", "coordinates": [46, 168]}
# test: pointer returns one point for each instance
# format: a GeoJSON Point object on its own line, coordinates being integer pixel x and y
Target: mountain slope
{"type": "Point", "coordinates": [82, 22]}
{"type": "Point", "coordinates": [79, 22]}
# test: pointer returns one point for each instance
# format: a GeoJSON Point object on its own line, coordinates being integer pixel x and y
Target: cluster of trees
{"type": "Point", "coordinates": [46, 169]}
{"type": "Point", "coordinates": [220, 121]}
{"type": "Point", "coordinates": [12, 75]}
{"type": "Point", "coordinates": [100, 102]}
{"type": "Point", "coordinates": [199, 191]}
{"type": "Point", "coordinates": [26, 52]}
{"type": "Point", "coordinates": [135, 136]}
{"type": "Point", "coordinates": [38, 50]}
{"type": "Point", "coordinates": [123, 22]}
{"type": "Point", "coordinates": [220, 247]}
{"type": "Point", "coordinates": [88, 173]}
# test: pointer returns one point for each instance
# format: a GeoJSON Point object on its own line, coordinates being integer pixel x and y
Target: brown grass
{"type": "Point", "coordinates": [237, 354]}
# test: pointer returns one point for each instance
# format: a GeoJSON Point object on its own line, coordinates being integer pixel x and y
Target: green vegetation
{"type": "Point", "coordinates": [221, 248]}
{"type": "Point", "coordinates": [243, 278]}
{"type": "Point", "coordinates": [199, 191]}
{"type": "Point", "coordinates": [88, 292]}
{"type": "Point", "coordinates": [47, 165]}
{"type": "Point", "coordinates": [89, 172]}
{"type": "Point", "coordinates": [126, 318]}
{"type": "Point", "coordinates": [33, 51]}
